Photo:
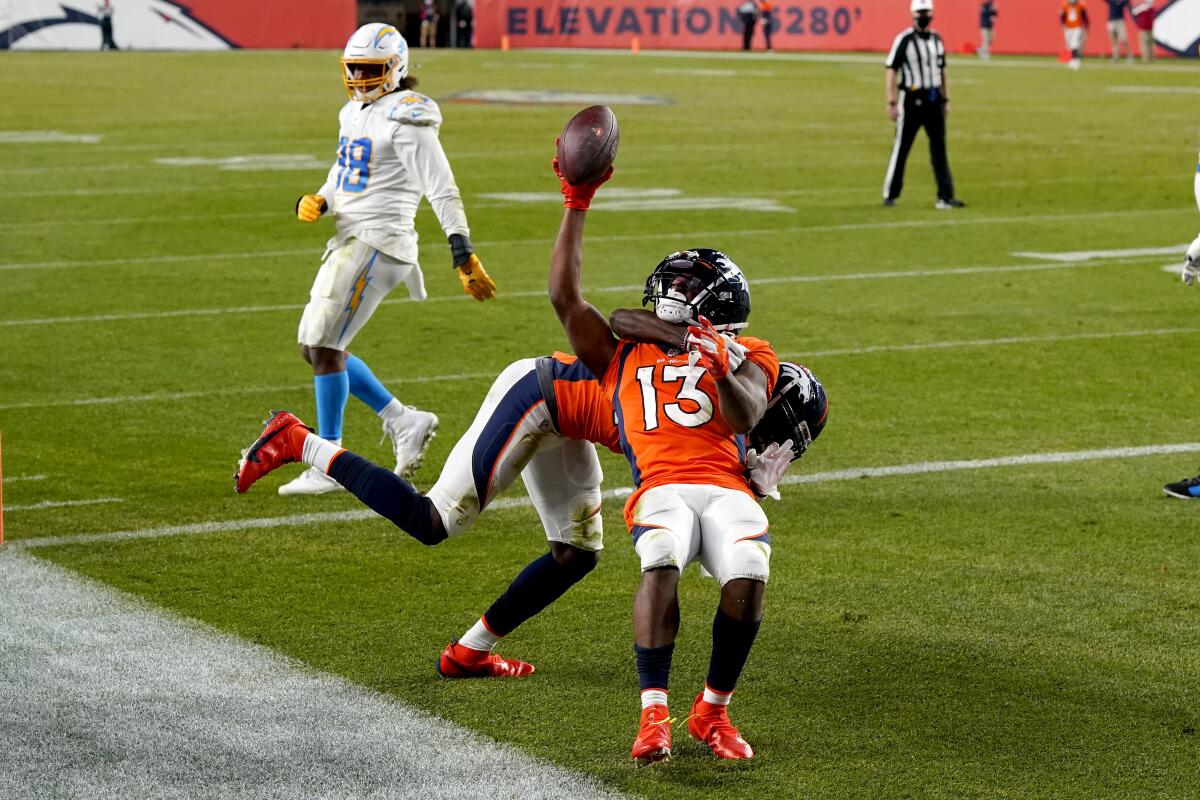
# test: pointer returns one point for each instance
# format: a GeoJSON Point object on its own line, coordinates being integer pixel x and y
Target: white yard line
{"type": "Point", "coordinates": [956, 219]}
{"type": "Point", "coordinates": [163, 397]}
{"type": "Point", "coordinates": [63, 504]}
{"type": "Point", "coordinates": [996, 342]}
{"type": "Point", "coordinates": [784, 279]}
{"type": "Point", "coordinates": [1088, 255]}
{"type": "Point", "coordinates": [19, 478]}
{"type": "Point", "coordinates": [522, 501]}
{"type": "Point", "coordinates": [1030, 459]}
{"type": "Point", "coordinates": [108, 696]}
{"type": "Point", "coordinates": [60, 223]}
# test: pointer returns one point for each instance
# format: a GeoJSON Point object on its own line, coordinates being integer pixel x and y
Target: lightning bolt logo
{"type": "Point", "coordinates": [360, 286]}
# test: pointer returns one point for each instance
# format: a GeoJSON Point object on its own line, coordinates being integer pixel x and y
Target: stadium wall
{"type": "Point", "coordinates": [1024, 26]}
{"type": "Point", "coordinates": [190, 25]}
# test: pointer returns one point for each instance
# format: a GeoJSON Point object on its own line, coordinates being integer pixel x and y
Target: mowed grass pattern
{"type": "Point", "coordinates": [1023, 632]}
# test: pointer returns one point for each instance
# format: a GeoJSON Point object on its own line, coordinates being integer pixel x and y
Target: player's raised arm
{"type": "Point", "coordinates": [587, 330]}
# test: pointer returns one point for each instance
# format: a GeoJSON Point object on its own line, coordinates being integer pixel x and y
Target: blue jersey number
{"type": "Point", "coordinates": [354, 161]}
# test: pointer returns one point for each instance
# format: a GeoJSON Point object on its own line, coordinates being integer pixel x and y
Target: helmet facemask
{"type": "Point", "coordinates": [367, 80]}
{"type": "Point", "coordinates": [696, 283]}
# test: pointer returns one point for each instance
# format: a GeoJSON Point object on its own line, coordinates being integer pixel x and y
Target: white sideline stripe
{"type": "Point", "coordinates": [849, 276]}
{"type": "Point", "coordinates": [950, 345]}
{"type": "Point", "coordinates": [63, 504]}
{"type": "Point", "coordinates": [108, 696]}
{"type": "Point", "coordinates": [1087, 255]}
{"type": "Point", "coordinates": [17, 478]}
{"type": "Point", "coordinates": [918, 468]}
{"type": "Point", "coordinates": [944, 221]}
{"type": "Point", "coordinates": [926, 467]}
{"type": "Point", "coordinates": [462, 376]}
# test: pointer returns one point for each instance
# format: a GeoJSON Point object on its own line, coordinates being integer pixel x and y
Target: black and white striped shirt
{"type": "Point", "coordinates": [919, 58]}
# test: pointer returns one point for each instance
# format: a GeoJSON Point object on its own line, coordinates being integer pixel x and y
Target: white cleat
{"type": "Point", "coordinates": [411, 433]}
{"type": "Point", "coordinates": [1074, 63]}
{"type": "Point", "coordinates": [311, 481]}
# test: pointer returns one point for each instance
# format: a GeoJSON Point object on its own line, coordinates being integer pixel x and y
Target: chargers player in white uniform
{"type": "Point", "coordinates": [1189, 488]}
{"type": "Point", "coordinates": [388, 158]}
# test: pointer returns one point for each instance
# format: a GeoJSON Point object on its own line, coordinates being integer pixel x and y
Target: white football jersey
{"type": "Point", "coordinates": [388, 157]}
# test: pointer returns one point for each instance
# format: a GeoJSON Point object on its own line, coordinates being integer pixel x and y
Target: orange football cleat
{"type": "Point", "coordinates": [459, 661]}
{"type": "Point", "coordinates": [653, 742]}
{"type": "Point", "coordinates": [278, 444]}
{"type": "Point", "coordinates": [710, 724]}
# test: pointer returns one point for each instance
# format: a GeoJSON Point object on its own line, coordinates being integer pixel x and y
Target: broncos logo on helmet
{"type": "Point", "coordinates": [797, 410]}
{"type": "Point", "coordinates": [698, 282]}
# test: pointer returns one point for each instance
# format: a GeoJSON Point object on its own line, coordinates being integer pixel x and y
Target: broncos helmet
{"type": "Point", "coordinates": [698, 282]}
{"type": "Point", "coordinates": [797, 410]}
{"type": "Point", "coordinates": [374, 62]}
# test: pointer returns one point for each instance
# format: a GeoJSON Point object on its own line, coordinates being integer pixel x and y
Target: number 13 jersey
{"type": "Point", "coordinates": [669, 421]}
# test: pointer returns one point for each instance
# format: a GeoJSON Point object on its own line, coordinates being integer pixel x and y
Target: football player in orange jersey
{"type": "Point", "coordinates": [682, 419]}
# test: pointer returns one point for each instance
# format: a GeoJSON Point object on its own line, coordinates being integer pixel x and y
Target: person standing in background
{"type": "Point", "coordinates": [1117, 35]}
{"type": "Point", "coordinates": [465, 16]}
{"type": "Point", "coordinates": [1143, 20]}
{"type": "Point", "coordinates": [987, 33]}
{"type": "Point", "coordinates": [916, 68]}
{"type": "Point", "coordinates": [768, 19]}
{"type": "Point", "coordinates": [429, 23]}
{"type": "Point", "coordinates": [1074, 19]}
{"type": "Point", "coordinates": [748, 11]}
{"type": "Point", "coordinates": [104, 13]}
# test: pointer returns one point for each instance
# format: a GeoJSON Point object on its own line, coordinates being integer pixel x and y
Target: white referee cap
{"type": "Point", "coordinates": [921, 5]}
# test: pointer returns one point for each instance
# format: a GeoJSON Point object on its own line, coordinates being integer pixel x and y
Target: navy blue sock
{"type": "Point", "coordinates": [730, 648]}
{"type": "Point", "coordinates": [541, 583]}
{"type": "Point", "coordinates": [654, 666]}
{"type": "Point", "coordinates": [388, 495]}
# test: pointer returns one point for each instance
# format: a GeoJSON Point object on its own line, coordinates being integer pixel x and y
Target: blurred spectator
{"type": "Point", "coordinates": [1143, 20]}
{"type": "Point", "coordinates": [429, 23]}
{"type": "Point", "coordinates": [104, 13]}
{"type": "Point", "coordinates": [987, 34]}
{"type": "Point", "coordinates": [1117, 35]}
{"type": "Point", "coordinates": [766, 11]}
{"type": "Point", "coordinates": [465, 16]}
{"type": "Point", "coordinates": [748, 11]}
{"type": "Point", "coordinates": [1074, 18]}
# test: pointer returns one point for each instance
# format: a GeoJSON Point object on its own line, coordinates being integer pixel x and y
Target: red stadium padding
{"type": "Point", "coordinates": [1024, 26]}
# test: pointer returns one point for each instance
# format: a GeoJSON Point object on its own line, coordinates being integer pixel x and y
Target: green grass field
{"type": "Point", "coordinates": [1018, 631]}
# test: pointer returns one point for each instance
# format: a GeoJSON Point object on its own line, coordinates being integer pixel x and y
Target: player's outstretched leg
{"type": "Point", "coordinates": [286, 440]}
{"type": "Point", "coordinates": [542, 582]}
{"type": "Point", "coordinates": [410, 429]}
{"type": "Point", "coordinates": [735, 627]}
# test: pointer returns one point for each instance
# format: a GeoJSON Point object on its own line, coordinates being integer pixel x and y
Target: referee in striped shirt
{"type": "Point", "coordinates": [916, 66]}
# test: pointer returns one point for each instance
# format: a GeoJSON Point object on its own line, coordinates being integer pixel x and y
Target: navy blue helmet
{"type": "Point", "coordinates": [797, 410]}
{"type": "Point", "coordinates": [701, 282]}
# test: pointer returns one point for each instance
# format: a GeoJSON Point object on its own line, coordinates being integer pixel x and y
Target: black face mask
{"type": "Point", "coordinates": [922, 21]}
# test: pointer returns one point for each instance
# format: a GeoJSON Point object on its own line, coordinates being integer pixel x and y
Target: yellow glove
{"type": "Point", "coordinates": [310, 207]}
{"type": "Point", "coordinates": [475, 279]}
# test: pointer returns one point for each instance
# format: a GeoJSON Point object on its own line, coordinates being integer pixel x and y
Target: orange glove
{"type": "Point", "coordinates": [579, 195]}
{"type": "Point", "coordinates": [712, 348]}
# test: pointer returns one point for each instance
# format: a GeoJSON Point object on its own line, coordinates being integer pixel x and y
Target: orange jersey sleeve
{"type": "Point", "coordinates": [762, 354]}
{"type": "Point", "coordinates": [668, 417]}
{"type": "Point", "coordinates": [581, 409]}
